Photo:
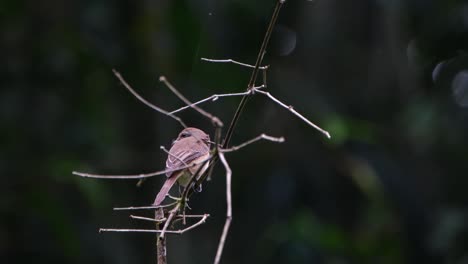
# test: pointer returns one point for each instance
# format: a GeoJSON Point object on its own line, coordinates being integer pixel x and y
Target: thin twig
{"type": "Point", "coordinates": [291, 109]}
{"type": "Point", "coordinates": [253, 140]}
{"type": "Point", "coordinates": [222, 240]}
{"type": "Point", "coordinates": [253, 77]}
{"type": "Point", "coordinates": [169, 220]}
{"type": "Point", "coordinates": [148, 218]}
{"type": "Point", "coordinates": [143, 207]}
{"type": "Point", "coordinates": [214, 97]}
{"type": "Point", "coordinates": [264, 75]}
{"type": "Point", "coordinates": [125, 177]}
{"type": "Point", "coordinates": [135, 176]}
{"type": "Point", "coordinates": [215, 120]}
{"type": "Point", "coordinates": [235, 62]}
{"type": "Point", "coordinates": [143, 100]}
{"type": "Point", "coordinates": [164, 219]}
{"type": "Point", "coordinates": [180, 231]}
{"type": "Point", "coordinates": [161, 249]}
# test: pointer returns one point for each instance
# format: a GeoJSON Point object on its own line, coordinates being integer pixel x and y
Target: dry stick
{"type": "Point", "coordinates": [253, 77]}
{"type": "Point", "coordinates": [233, 125]}
{"type": "Point", "coordinates": [161, 251]}
{"type": "Point", "coordinates": [222, 240]}
{"type": "Point", "coordinates": [143, 207]}
{"type": "Point", "coordinates": [143, 100]}
{"type": "Point", "coordinates": [148, 219]}
{"type": "Point", "coordinates": [234, 121]}
{"type": "Point", "coordinates": [125, 177]}
{"type": "Point", "coordinates": [169, 219]}
{"type": "Point", "coordinates": [213, 97]}
{"type": "Point", "coordinates": [215, 120]}
{"type": "Point", "coordinates": [134, 176]}
{"type": "Point", "coordinates": [291, 109]}
{"type": "Point", "coordinates": [180, 231]}
{"type": "Point", "coordinates": [253, 140]}
{"type": "Point", "coordinates": [235, 62]}
{"type": "Point", "coordinates": [264, 75]}
{"type": "Point", "coordinates": [163, 219]}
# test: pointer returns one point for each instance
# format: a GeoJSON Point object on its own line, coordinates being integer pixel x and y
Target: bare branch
{"type": "Point", "coordinates": [143, 100]}
{"type": "Point", "coordinates": [227, 224]}
{"type": "Point", "coordinates": [214, 97]}
{"type": "Point", "coordinates": [143, 207]}
{"type": "Point", "coordinates": [291, 109]}
{"type": "Point", "coordinates": [131, 230]}
{"type": "Point", "coordinates": [253, 140]}
{"type": "Point", "coordinates": [253, 76]}
{"type": "Point", "coordinates": [161, 249]}
{"type": "Point", "coordinates": [134, 176]}
{"type": "Point", "coordinates": [180, 231]}
{"type": "Point", "coordinates": [164, 219]}
{"type": "Point", "coordinates": [169, 220]}
{"type": "Point", "coordinates": [125, 177]}
{"type": "Point", "coordinates": [202, 220]}
{"type": "Point", "coordinates": [215, 120]}
{"type": "Point", "coordinates": [148, 219]}
{"type": "Point", "coordinates": [235, 62]}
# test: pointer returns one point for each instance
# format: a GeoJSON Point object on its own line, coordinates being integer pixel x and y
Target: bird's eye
{"type": "Point", "coordinates": [184, 135]}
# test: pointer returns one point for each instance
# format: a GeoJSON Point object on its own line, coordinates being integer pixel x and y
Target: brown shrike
{"type": "Point", "coordinates": [192, 146]}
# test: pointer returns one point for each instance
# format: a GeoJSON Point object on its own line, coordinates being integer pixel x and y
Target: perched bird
{"type": "Point", "coordinates": [192, 146]}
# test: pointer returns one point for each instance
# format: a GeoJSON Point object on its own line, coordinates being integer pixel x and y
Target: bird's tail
{"type": "Point", "coordinates": [165, 190]}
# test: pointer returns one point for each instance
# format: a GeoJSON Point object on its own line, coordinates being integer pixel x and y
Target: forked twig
{"type": "Point", "coordinates": [143, 100]}
{"type": "Point", "coordinates": [135, 176]}
{"type": "Point", "coordinates": [215, 97]}
{"type": "Point", "coordinates": [180, 231]}
{"type": "Point", "coordinates": [148, 218]}
{"type": "Point", "coordinates": [218, 152]}
{"type": "Point", "coordinates": [222, 240]}
{"type": "Point", "coordinates": [143, 207]}
{"type": "Point", "coordinates": [161, 250]}
{"type": "Point", "coordinates": [215, 120]}
{"type": "Point", "coordinates": [235, 62]}
{"type": "Point", "coordinates": [291, 109]}
{"type": "Point", "coordinates": [253, 76]}
{"type": "Point", "coordinates": [253, 140]}
{"type": "Point", "coordinates": [169, 220]}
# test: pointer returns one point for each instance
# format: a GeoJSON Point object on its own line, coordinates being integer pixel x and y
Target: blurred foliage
{"type": "Point", "coordinates": [388, 79]}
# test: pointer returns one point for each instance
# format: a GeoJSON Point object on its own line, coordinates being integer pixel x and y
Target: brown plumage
{"type": "Point", "coordinates": [190, 147]}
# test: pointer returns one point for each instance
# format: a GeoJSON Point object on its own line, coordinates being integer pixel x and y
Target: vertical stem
{"type": "Point", "coordinates": [253, 77]}
{"type": "Point", "coordinates": [227, 223]}
{"type": "Point", "coordinates": [160, 241]}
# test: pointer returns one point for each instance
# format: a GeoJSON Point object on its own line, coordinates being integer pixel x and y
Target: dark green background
{"type": "Point", "coordinates": [389, 187]}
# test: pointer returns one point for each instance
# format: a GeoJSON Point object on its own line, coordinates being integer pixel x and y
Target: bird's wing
{"type": "Point", "coordinates": [182, 156]}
